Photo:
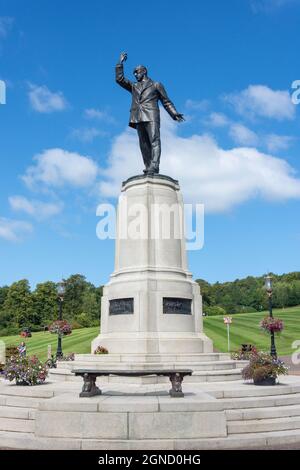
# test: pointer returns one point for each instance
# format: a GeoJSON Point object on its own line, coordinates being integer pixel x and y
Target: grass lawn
{"type": "Point", "coordinates": [79, 341]}
{"type": "Point", "coordinates": [244, 329]}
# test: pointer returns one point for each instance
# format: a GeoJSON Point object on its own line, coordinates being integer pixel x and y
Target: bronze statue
{"type": "Point", "coordinates": [144, 112]}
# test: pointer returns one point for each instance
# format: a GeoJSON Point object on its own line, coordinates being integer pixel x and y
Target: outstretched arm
{"type": "Point", "coordinates": [168, 105]}
{"type": "Point", "coordinates": [120, 79]}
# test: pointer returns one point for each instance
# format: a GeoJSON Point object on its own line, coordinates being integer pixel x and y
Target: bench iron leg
{"type": "Point", "coordinates": [89, 388]}
{"type": "Point", "coordinates": [176, 380]}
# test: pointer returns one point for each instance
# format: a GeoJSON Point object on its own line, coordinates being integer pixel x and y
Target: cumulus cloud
{"type": "Point", "coordinates": [242, 135]}
{"type": "Point", "coordinates": [260, 100]}
{"type": "Point", "coordinates": [87, 134]}
{"type": "Point", "coordinates": [221, 179]}
{"type": "Point", "coordinates": [5, 25]}
{"type": "Point", "coordinates": [37, 209]}
{"type": "Point", "coordinates": [217, 120]}
{"type": "Point", "coordinates": [43, 100]}
{"type": "Point", "coordinates": [57, 167]}
{"type": "Point", "coordinates": [275, 142]}
{"type": "Point", "coordinates": [14, 230]}
{"type": "Point", "coordinates": [102, 115]}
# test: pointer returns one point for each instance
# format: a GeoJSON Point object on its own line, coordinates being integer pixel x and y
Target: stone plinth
{"type": "Point", "coordinates": [151, 305]}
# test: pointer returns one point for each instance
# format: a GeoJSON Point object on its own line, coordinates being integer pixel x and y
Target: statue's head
{"type": "Point", "coordinates": [140, 72]}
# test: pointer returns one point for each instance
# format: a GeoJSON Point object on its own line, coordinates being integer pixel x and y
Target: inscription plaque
{"type": "Point", "coordinates": [121, 306]}
{"type": "Point", "coordinates": [177, 305]}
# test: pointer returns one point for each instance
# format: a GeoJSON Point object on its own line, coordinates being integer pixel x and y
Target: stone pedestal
{"type": "Point", "coordinates": [151, 305]}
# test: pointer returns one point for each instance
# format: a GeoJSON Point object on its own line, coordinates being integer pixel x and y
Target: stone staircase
{"type": "Point", "coordinates": [207, 367]}
{"type": "Point", "coordinates": [255, 417]}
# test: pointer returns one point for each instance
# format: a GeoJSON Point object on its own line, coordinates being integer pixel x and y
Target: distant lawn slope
{"type": "Point", "coordinates": [244, 329]}
{"type": "Point", "coordinates": [79, 341]}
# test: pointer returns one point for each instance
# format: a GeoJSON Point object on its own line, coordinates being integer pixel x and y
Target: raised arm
{"type": "Point", "coordinates": [120, 79]}
{"type": "Point", "coordinates": [168, 105]}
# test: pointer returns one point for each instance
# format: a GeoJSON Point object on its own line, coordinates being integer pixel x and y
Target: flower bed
{"type": "Point", "coordinates": [25, 371]}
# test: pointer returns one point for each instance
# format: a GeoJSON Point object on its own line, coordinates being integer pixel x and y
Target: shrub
{"type": "Point", "coordinates": [101, 350]}
{"type": "Point", "coordinates": [75, 325]}
{"type": "Point", "coordinates": [25, 371]}
{"type": "Point", "coordinates": [214, 310]}
{"type": "Point", "coordinates": [263, 366]}
{"type": "Point", "coordinates": [11, 351]}
{"type": "Point", "coordinates": [69, 357]}
{"type": "Point", "coordinates": [243, 354]}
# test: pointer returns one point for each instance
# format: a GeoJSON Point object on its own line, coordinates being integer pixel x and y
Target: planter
{"type": "Point", "coordinates": [22, 382]}
{"type": "Point", "coordinates": [266, 381]}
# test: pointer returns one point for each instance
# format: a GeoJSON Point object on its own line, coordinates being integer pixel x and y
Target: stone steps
{"type": "Point", "coordinates": [209, 365]}
{"type": "Point", "coordinates": [197, 377]}
{"type": "Point", "coordinates": [17, 424]}
{"type": "Point", "coordinates": [261, 402]}
{"type": "Point", "coordinates": [263, 425]}
{"type": "Point", "coordinates": [263, 413]}
{"type": "Point", "coordinates": [16, 412]}
{"type": "Point", "coordinates": [263, 440]}
{"type": "Point", "coordinates": [161, 358]}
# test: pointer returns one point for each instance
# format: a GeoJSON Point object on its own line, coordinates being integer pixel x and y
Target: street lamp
{"type": "Point", "coordinates": [60, 293]}
{"type": "Point", "coordinates": [269, 289]}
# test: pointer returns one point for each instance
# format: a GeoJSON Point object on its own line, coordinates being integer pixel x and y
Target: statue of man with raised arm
{"type": "Point", "coordinates": [144, 112]}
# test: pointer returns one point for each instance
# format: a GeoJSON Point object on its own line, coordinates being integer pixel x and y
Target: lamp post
{"type": "Point", "coordinates": [269, 289]}
{"type": "Point", "coordinates": [60, 293]}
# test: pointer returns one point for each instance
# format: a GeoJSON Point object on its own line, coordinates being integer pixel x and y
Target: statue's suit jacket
{"type": "Point", "coordinates": [145, 97]}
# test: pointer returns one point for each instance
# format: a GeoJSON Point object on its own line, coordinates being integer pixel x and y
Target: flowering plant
{"type": "Point", "coordinates": [26, 371]}
{"type": "Point", "coordinates": [271, 325]}
{"type": "Point", "coordinates": [60, 327]}
{"type": "Point", "coordinates": [243, 354]}
{"type": "Point", "coordinates": [101, 350]}
{"type": "Point", "coordinates": [69, 357]}
{"type": "Point", "coordinates": [263, 366]}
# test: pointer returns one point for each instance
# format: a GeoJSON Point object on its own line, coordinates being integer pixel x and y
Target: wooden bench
{"type": "Point", "coordinates": [89, 376]}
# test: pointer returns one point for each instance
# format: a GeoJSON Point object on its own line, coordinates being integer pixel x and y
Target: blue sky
{"type": "Point", "coordinates": [65, 146]}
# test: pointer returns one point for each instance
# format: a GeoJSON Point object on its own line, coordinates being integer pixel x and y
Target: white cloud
{"type": "Point", "coordinates": [87, 134]}
{"type": "Point", "coordinates": [56, 167]}
{"type": "Point", "coordinates": [14, 230]}
{"type": "Point", "coordinates": [268, 6]}
{"type": "Point", "coordinates": [217, 120]}
{"type": "Point", "coordinates": [5, 25]}
{"type": "Point", "coordinates": [275, 142]}
{"type": "Point", "coordinates": [260, 100]}
{"type": "Point", "coordinates": [221, 179]}
{"type": "Point", "coordinates": [37, 209]}
{"type": "Point", "coordinates": [242, 135]}
{"type": "Point", "coordinates": [43, 100]}
{"type": "Point", "coordinates": [201, 105]}
{"type": "Point", "coordinates": [99, 114]}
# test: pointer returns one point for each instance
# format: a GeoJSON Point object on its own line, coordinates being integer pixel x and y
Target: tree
{"type": "Point", "coordinates": [18, 305]}
{"type": "Point", "coordinates": [45, 303]}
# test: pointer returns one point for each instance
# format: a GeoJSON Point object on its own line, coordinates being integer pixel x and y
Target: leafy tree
{"type": "Point", "coordinates": [18, 305]}
{"type": "Point", "coordinates": [46, 302]}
